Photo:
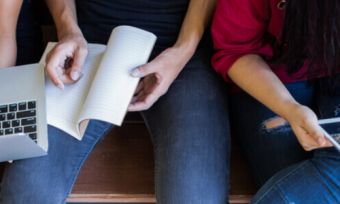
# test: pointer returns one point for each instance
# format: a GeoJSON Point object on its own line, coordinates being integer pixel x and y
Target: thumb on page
{"type": "Point", "coordinates": [142, 71]}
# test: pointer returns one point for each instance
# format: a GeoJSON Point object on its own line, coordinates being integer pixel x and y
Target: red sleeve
{"type": "Point", "coordinates": [239, 28]}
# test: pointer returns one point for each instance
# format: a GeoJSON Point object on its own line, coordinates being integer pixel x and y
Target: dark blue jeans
{"type": "Point", "coordinates": [189, 124]}
{"type": "Point", "coordinates": [189, 129]}
{"type": "Point", "coordinates": [307, 177]}
{"type": "Point", "coordinates": [190, 133]}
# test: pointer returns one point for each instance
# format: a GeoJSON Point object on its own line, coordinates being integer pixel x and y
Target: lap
{"type": "Point", "coordinates": [316, 180]}
{"type": "Point", "coordinates": [50, 178]}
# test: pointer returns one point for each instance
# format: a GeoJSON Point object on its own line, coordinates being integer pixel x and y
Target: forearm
{"type": "Point", "coordinates": [253, 75]}
{"type": "Point", "coordinates": [65, 17]}
{"type": "Point", "coordinates": [9, 12]}
{"type": "Point", "coordinates": [196, 19]}
{"type": "Point", "coordinates": [8, 50]}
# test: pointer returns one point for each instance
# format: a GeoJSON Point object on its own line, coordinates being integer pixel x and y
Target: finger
{"type": "Point", "coordinates": [146, 99]}
{"type": "Point", "coordinates": [328, 143]}
{"type": "Point", "coordinates": [77, 64]}
{"type": "Point", "coordinates": [139, 87]}
{"type": "Point", "coordinates": [314, 130]}
{"type": "Point", "coordinates": [133, 100]}
{"type": "Point", "coordinates": [144, 70]}
{"type": "Point", "coordinates": [144, 104]}
{"type": "Point", "coordinates": [305, 139]}
{"type": "Point", "coordinates": [52, 68]}
{"type": "Point", "coordinates": [138, 98]}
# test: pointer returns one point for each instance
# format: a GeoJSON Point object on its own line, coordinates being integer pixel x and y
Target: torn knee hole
{"type": "Point", "coordinates": [274, 122]}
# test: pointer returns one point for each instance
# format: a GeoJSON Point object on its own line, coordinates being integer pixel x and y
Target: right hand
{"type": "Point", "coordinates": [70, 51]}
{"type": "Point", "coordinates": [305, 125]}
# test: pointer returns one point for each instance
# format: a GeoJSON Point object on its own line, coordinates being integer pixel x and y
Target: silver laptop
{"type": "Point", "coordinates": [23, 126]}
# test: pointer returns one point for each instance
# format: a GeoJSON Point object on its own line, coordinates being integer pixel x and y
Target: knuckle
{"type": "Point", "coordinates": [49, 68]}
{"type": "Point", "coordinates": [307, 148]}
{"type": "Point", "coordinates": [58, 48]}
{"type": "Point", "coordinates": [143, 69]}
{"type": "Point", "coordinates": [83, 51]}
{"type": "Point", "coordinates": [313, 133]}
{"type": "Point", "coordinates": [163, 91]}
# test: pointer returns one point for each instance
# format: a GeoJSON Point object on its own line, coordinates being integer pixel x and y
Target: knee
{"type": "Point", "coordinates": [268, 196]}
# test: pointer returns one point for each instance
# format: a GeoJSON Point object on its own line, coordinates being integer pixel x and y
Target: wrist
{"type": "Point", "coordinates": [290, 110]}
{"type": "Point", "coordinates": [185, 48]}
{"type": "Point", "coordinates": [67, 24]}
{"type": "Point", "coordinates": [68, 30]}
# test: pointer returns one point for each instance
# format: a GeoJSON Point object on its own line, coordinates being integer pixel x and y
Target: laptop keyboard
{"type": "Point", "coordinates": [18, 118]}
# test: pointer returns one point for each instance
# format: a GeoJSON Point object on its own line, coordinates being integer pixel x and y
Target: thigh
{"type": "Point", "coordinates": [190, 132]}
{"type": "Point", "coordinates": [49, 179]}
{"type": "Point", "coordinates": [268, 147]}
{"type": "Point", "coordinates": [316, 180]}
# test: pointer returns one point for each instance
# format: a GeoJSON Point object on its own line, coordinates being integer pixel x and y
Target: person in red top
{"type": "Point", "coordinates": [285, 56]}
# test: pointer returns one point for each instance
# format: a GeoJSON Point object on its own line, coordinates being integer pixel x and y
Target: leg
{"type": "Point", "coordinates": [316, 180]}
{"type": "Point", "coordinates": [268, 145]}
{"type": "Point", "coordinates": [313, 181]}
{"type": "Point", "coordinates": [49, 179]}
{"type": "Point", "coordinates": [190, 134]}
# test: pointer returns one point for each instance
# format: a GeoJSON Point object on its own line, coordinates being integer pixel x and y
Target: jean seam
{"type": "Point", "coordinates": [72, 181]}
{"type": "Point", "coordinates": [276, 184]}
{"type": "Point", "coordinates": [318, 176]}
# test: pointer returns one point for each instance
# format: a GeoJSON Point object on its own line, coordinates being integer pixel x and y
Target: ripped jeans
{"type": "Point", "coordinates": [292, 175]}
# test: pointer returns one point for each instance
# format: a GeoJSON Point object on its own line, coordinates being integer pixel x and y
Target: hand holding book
{"type": "Point", "coordinates": [106, 88]}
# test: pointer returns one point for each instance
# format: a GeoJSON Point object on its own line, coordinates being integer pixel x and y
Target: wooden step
{"type": "Point", "coordinates": [120, 170]}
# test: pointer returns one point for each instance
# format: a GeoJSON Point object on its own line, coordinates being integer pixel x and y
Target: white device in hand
{"type": "Point", "coordinates": [331, 130]}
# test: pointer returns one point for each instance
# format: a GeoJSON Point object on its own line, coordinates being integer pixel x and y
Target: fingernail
{"type": "Point", "coordinates": [75, 75]}
{"type": "Point", "coordinates": [321, 141]}
{"type": "Point", "coordinates": [61, 86]}
{"type": "Point", "coordinates": [136, 73]}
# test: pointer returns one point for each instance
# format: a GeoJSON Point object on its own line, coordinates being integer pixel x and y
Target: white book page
{"type": "Point", "coordinates": [64, 106]}
{"type": "Point", "coordinates": [113, 87]}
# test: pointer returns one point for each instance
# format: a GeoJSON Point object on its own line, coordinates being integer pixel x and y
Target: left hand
{"type": "Point", "coordinates": [306, 127]}
{"type": "Point", "coordinates": [157, 76]}
{"type": "Point", "coordinates": [72, 47]}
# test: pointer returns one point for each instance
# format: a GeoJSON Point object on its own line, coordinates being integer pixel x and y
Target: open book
{"type": "Point", "coordinates": [106, 88]}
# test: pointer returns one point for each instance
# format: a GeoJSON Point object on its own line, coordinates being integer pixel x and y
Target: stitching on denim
{"type": "Point", "coordinates": [276, 184]}
{"type": "Point", "coordinates": [320, 179]}
{"type": "Point", "coordinates": [72, 181]}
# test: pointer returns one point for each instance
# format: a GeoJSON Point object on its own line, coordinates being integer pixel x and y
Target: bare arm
{"type": "Point", "coordinates": [9, 12]}
{"type": "Point", "coordinates": [163, 70]}
{"type": "Point", "coordinates": [194, 24]}
{"type": "Point", "coordinates": [254, 76]}
{"type": "Point", "coordinates": [71, 44]}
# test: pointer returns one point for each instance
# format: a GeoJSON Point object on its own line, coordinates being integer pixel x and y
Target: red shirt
{"type": "Point", "coordinates": [243, 27]}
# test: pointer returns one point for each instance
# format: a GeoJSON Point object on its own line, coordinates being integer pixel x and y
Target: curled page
{"type": "Point", "coordinates": [113, 88]}
{"type": "Point", "coordinates": [64, 106]}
